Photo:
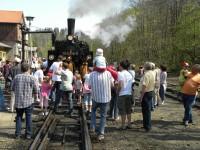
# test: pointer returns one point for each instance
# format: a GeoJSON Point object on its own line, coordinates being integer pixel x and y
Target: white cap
{"type": "Point", "coordinates": [37, 66]}
{"type": "Point", "coordinates": [99, 52]}
{"type": "Point", "coordinates": [17, 59]}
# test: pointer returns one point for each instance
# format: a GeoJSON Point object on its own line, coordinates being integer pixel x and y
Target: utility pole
{"type": "Point", "coordinates": [26, 30]}
{"type": "Point", "coordinates": [29, 19]}
{"type": "Point", "coordinates": [23, 30]}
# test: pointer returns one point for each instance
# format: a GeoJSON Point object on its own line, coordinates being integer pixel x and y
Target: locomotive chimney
{"type": "Point", "coordinates": [71, 26]}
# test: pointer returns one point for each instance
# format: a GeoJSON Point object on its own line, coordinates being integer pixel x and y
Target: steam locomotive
{"type": "Point", "coordinates": [77, 51]}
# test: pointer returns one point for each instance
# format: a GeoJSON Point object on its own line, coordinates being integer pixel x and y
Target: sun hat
{"type": "Point", "coordinates": [99, 52]}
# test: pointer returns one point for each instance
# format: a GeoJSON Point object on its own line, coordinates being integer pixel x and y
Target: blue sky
{"type": "Point", "coordinates": [47, 13]}
{"type": "Point", "coordinates": [54, 13]}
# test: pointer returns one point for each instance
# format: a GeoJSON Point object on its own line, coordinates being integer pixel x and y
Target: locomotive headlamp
{"type": "Point", "coordinates": [51, 57]}
{"type": "Point", "coordinates": [69, 58]}
{"type": "Point", "coordinates": [70, 37]}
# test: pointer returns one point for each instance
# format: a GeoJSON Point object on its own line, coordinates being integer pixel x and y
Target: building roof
{"type": "Point", "coordinates": [7, 16]}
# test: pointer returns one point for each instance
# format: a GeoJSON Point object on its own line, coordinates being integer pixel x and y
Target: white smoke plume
{"type": "Point", "coordinates": [81, 8]}
{"type": "Point", "coordinates": [116, 31]}
{"type": "Point", "coordinates": [90, 14]}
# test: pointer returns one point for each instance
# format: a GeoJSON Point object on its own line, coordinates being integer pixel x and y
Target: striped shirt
{"type": "Point", "coordinates": [24, 86]}
{"type": "Point", "coordinates": [100, 83]}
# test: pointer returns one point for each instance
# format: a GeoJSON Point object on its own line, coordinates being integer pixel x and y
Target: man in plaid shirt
{"type": "Point", "coordinates": [24, 87]}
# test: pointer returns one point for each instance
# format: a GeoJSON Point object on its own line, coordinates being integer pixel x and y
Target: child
{"type": "Point", "coordinates": [87, 93]}
{"type": "Point", "coordinates": [45, 91]}
{"type": "Point", "coordinates": [78, 88]}
{"type": "Point", "coordinates": [99, 61]}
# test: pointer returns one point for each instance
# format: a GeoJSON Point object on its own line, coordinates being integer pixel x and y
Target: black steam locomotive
{"type": "Point", "coordinates": [77, 51]}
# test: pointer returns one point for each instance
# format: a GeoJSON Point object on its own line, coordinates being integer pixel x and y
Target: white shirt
{"type": "Point", "coordinates": [55, 67]}
{"type": "Point", "coordinates": [87, 77]}
{"type": "Point", "coordinates": [125, 78]}
{"type": "Point", "coordinates": [67, 75]}
{"type": "Point", "coordinates": [86, 88]}
{"type": "Point", "coordinates": [132, 72]}
{"type": "Point", "coordinates": [100, 61]}
{"type": "Point", "coordinates": [39, 75]}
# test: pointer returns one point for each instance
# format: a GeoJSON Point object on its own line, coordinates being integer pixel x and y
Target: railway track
{"type": "Point", "coordinates": [60, 131]}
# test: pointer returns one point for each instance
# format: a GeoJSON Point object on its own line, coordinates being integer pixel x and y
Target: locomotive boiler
{"type": "Point", "coordinates": [72, 48]}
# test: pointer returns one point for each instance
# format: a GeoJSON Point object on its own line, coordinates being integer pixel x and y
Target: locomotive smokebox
{"type": "Point", "coordinates": [71, 26]}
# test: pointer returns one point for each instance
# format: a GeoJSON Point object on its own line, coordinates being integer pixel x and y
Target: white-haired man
{"type": "Point", "coordinates": [147, 88]}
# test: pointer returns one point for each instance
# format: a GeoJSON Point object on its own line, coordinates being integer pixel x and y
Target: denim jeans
{"type": "Point", "coordinates": [67, 96]}
{"type": "Point", "coordinates": [28, 112]}
{"type": "Point", "coordinates": [162, 92]}
{"type": "Point", "coordinates": [113, 107]}
{"type": "Point", "coordinates": [56, 87]}
{"type": "Point", "coordinates": [2, 104]}
{"type": "Point", "coordinates": [103, 112]}
{"type": "Point", "coordinates": [87, 99]}
{"type": "Point", "coordinates": [146, 109]}
{"type": "Point", "coordinates": [188, 101]}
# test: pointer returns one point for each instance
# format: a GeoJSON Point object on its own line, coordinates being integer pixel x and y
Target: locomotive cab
{"type": "Point", "coordinates": [72, 50]}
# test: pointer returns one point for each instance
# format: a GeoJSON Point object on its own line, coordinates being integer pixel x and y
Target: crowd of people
{"type": "Point", "coordinates": [102, 86]}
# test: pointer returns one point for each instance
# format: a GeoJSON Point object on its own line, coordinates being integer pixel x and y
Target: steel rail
{"type": "Point", "coordinates": [44, 134]}
{"type": "Point", "coordinates": [86, 140]}
{"type": "Point", "coordinates": [41, 132]}
{"type": "Point", "coordinates": [44, 142]}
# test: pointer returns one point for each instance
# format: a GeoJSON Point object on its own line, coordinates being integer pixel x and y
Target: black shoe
{"type": "Point", "coordinates": [190, 121]}
{"type": "Point", "coordinates": [17, 136]}
{"type": "Point", "coordinates": [70, 111]}
{"type": "Point", "coordinates": [71, 114]}
{"type": "Point", "coordinates": [28, 137]}
{"type": "Point", "coordinates": [147, 130]}
{"type": "Point", "coordinates": [22, 119]}
{"type": "Point", "coordinates": [129, 126]}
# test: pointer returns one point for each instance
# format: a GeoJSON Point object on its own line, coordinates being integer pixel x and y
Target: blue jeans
{"type": "Point", "coordinates": [28, 112]}
{"type": "Point", "coordinates": [103, 112]}
{"type": "Point", "coordinates": [67, 95]}
{"type": "Point", "coordinates": [188, 101]}
{"type": "Point", "coordinates": [2, 104]}
{"type": "Point", "coordinates": [113, 107]}
{"type": "Point", "coordinates": [162, 92]}
{"type": "Point", "coordinates": [146, 109]}
{"type": "Point", "coordinates": [87, 99]}
{"type": "Point", "coordinates": [56, 87]}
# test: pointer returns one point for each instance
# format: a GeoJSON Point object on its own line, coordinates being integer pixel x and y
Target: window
{"type": "Point", "coordinates": [3, 55]}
